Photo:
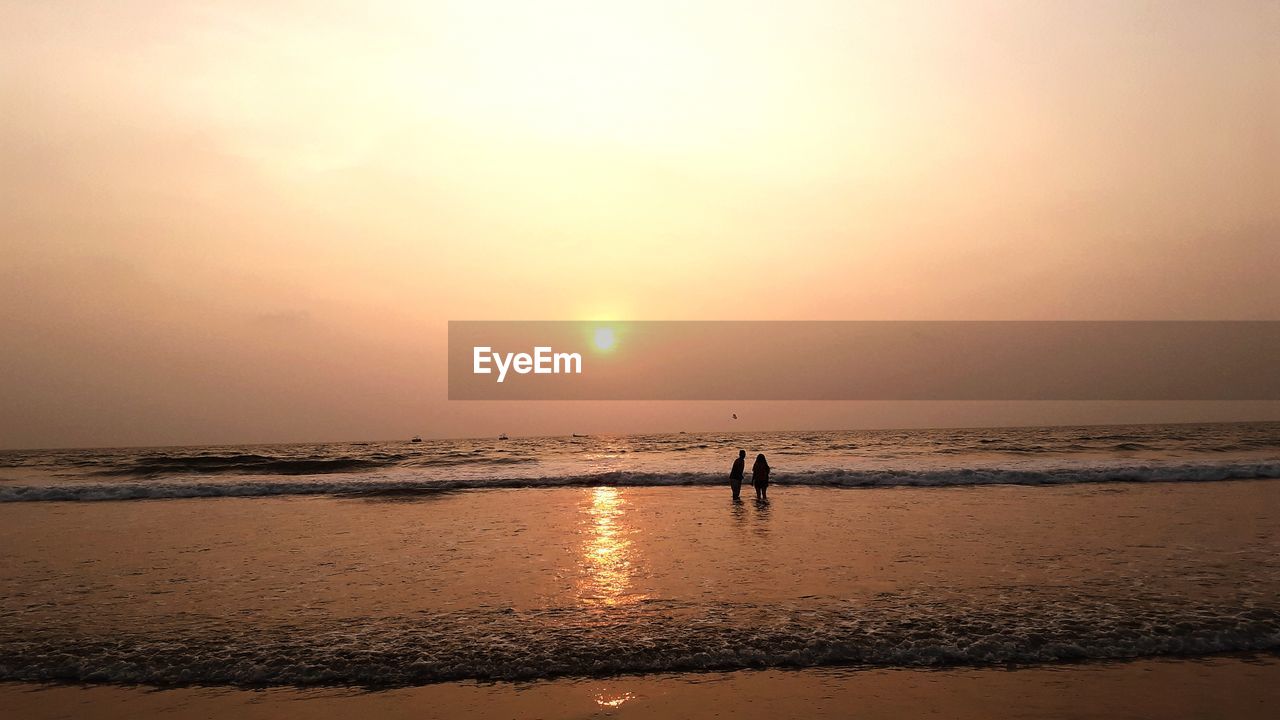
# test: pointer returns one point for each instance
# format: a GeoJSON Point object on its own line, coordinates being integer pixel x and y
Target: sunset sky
{"type": "Point", "coordinates": [251, 221]}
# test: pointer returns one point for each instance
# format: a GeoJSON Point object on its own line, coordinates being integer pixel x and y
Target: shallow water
{"type": "Point", "coordinates": [508, 584]}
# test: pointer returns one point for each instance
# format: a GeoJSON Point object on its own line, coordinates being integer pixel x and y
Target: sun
{"type": "Point", "coordinates": [604, 338]}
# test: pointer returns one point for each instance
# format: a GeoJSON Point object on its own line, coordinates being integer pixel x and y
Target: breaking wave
{"type": "Point", "coordinates": [244, 464]}
{"type": "Point", "coordinates": [654, 636]}
{"type": "Point", "coordinates": [419, 482]}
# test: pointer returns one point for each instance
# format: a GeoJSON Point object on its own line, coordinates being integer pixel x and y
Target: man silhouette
{"type": "Point", "coordinates": [735, 475]}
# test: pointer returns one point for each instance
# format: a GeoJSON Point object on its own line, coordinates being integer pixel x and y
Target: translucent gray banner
{"type": "Point", "coordinates": [864, 360]}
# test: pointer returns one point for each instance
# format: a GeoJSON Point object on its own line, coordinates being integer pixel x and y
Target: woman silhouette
{"type": "Point", "coordinates": [760, 477]}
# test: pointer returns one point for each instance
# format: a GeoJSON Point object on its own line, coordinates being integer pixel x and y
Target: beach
{"type": "Point", "coordinates": [497, 359]}
{"type": "Point", "coordinates": [651, 589]}
{"type": "Point", "coordinates": [1211, 688]}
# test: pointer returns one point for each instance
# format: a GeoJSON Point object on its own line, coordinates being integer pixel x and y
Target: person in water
{"type": "Point", "coordinates": [735, 473]}
{"type": "Point", "coordinates": [760, 477]}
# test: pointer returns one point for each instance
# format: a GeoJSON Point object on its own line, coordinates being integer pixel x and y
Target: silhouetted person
{"type": "Point", "coordinates": [760, 477]}
{"type": "Point", "coordinates": [735, 474]}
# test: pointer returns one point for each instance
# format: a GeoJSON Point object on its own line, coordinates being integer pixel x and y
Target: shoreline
{"type": "Point", "coordinates": [1236, 686]}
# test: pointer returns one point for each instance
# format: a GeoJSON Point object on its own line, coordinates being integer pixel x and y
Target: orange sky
{"type": "Point", "coordinates": [250, 221]}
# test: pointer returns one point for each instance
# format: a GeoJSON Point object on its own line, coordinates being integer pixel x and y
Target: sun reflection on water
{"type": "Point", "coordinates": [613, 700]}
{"type": "Point", "coordinates": [607, 556]}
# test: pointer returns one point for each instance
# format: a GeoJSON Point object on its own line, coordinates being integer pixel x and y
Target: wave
{"type": "Point", "coordinates": [254, 464]}
{"type": "Point", "coordinates": [417, 483]}
{"type": "Point", "coordinates": [245, 464]}
{"type": "Point", "coordinates": [469, 460]}
{"type": "Point", "coordinates": [651, 637]}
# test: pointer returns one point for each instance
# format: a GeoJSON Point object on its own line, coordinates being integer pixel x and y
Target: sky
{"type": "Point", "coordinates": [251, 221]}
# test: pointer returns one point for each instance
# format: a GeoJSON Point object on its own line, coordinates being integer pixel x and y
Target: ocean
{"type": "Point", "coordinates": [849, 459]}
{"type": "Point", "coordinates": [392, 564]}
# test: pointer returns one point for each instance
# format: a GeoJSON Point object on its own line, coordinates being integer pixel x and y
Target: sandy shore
{"type": "Point", "coordinates": [1212, 688]}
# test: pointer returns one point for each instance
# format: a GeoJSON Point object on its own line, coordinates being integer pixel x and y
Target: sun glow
{"type": "Point", "coordinates": [274, 192]}
{"type": "Point", "coordinates": [588, 72]}
{"type": "Point", "coordinates": [604, 339]}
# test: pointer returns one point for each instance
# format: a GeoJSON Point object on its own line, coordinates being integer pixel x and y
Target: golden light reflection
{"type": "Point", "coordinates": [607, 557]}
{"type": "Point", "coordinates": [613, 700]}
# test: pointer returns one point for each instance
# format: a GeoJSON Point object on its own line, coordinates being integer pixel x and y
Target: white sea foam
{"type": "Point", "coordinates": [503, 644]}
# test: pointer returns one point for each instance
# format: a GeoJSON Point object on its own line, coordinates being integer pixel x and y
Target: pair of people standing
{"type": "Point", "coordinates": [759, 475]}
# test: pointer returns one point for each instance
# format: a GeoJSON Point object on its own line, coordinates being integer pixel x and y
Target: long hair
{"type": "Point", "coordinates": [761, 464]}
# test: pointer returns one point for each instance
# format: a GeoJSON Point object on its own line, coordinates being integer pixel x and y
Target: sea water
{"type": "Point", "coordinates": [391, 564]}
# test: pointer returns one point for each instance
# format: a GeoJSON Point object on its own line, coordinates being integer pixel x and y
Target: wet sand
{"type": "Point", "coordinates": [1171, 690]}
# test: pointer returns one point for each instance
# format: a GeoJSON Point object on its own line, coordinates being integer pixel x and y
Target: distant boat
{"type": "Point", "coordinates": [577, 435]}
{"type": "Point", "coordinates": [416, 438]}
{"type": "Point", "coordinates": [503, 436]}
